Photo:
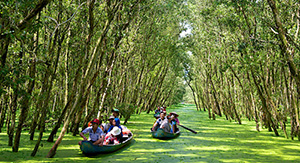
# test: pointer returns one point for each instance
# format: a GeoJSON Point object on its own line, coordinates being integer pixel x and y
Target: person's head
{"type": "Point", "coordinates": [172, 117]}
{"type": "Point", "coordinates": [115, 112]}
{"type": "Point", "coordinates": [165, 113]}
{"type": "Point", "coordinates": [116, 122]}
{"type": "Point", "coordinates": [162, 115]}
{"type": "Point", "coordinates": [115, 131]}
{"type": "Point", "coordinates": [95, 123]}
{"type": "Point", "coordinates": [175, 114]}
{"type": "Point", "coordinates": [169, 118]}
{"type": "Point", "coordinates": [111, 119]}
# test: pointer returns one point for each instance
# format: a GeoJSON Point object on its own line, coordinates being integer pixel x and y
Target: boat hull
{"type": "Point", "coordinates": [161, 134]}
{"type": "Point", "coordinates": [87, 147]}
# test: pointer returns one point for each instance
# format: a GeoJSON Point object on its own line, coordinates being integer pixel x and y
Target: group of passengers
{"type": "Point", "coordinates": [166, 122]}
{"type": "Point", "coordinates": [104, 134]}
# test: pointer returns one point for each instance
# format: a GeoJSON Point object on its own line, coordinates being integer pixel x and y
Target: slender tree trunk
{"type": "Point", "coordinates": [78, 117]}
{"type": "Point", "coordinates": [10, 132]}
{"type": "Point", "coordinates": [14, 104]}
{"type": "Point", "coordinates": [4, 108]}
{"type": "Point", "coordinates": [41, 133]}
{"type": "Point", "coordinates": [214, 92]}
{"type": "Point", "coordinates": [25, 103]}
{"type": "Point", "coordinates": [207, 93]}
{"type": "Point", "coordinates": [4, 43]}
{"type": "Point", "coordinates": [237, 117]}
{"type": "Point", "coordinates": [264, 105]}
{"type": "Point", "coordinates": [193, 91]}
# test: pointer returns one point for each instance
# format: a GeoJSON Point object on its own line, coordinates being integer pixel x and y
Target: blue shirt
{"type": "Point", "coordinates": [117, 124]}
{"type": "Point", "coordinates": [93, 136]}
{"type": "Point", "coordinates": [173, 123]}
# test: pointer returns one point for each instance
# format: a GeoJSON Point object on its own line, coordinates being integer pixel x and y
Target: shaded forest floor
{"type": "Point", "coordinates": [216, 141]}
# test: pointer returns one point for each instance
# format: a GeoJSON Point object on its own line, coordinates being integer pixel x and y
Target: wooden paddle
{"type": "Point", "coordinates": [188, 129]}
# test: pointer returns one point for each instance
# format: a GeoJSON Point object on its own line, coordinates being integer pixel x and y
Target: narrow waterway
{"type": "Point", "coordinates": [217, 141]}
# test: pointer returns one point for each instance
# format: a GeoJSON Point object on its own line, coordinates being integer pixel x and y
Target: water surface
{"type": "Point", "coordinates": [217, 141]}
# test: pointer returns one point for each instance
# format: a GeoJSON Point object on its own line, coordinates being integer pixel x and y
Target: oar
{"type": "Point", "coordinates": [188, 129]}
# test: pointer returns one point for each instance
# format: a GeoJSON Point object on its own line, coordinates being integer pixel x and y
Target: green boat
{"type": "Point", "coordinates": [161, 134]}
{"type": "Point", "coordinates": [88, 148]}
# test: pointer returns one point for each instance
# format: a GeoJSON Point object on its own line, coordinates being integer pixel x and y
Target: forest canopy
{"type": "Point", "coordinates": [67, 62]}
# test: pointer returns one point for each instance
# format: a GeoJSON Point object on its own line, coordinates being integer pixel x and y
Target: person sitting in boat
{"type": "Point", "coordinates": [115, 113]}
{"type": "Point", "coordinates": [157, 113]}
{"type": "Point", "coordinates": [164, 108]}
{"type": "Point", "coordinates": [110, 123]}
{"type": "Point", "coordinates": [111, 137]}
{"type": "Point", "coordinates": [167, 125]}
{"type": "Point", "coordinates": [176, 117]}
{"type": "Point", "coordinates": [96, 135]}
{"type": "Point", "coordinates": [174, 123]}
{"type": "Point", "coordinates": [158, 122]}
{"type": "Point", "coordinates": [165, 114]}
{"type": "Point", "coordinates": [157, 110]}
{"type": "Point", "coordinates": [116, 123]}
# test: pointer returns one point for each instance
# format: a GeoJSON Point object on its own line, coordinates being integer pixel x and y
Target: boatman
{"type": "Point", "coordinates": [96, 135]}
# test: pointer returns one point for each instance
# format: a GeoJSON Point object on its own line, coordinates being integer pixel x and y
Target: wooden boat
{"type": "Point", "coordinates": [88, 148]}
{"type": "Point", "coordinates": [161, 134]}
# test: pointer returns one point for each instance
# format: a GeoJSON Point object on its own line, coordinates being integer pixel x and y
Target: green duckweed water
{"type": "Point", "coordinates": [216, 141]}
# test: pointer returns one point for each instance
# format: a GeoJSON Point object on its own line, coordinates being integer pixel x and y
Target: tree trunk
{"type": "Point", "coordinates": [214, 92]}
{"type": "Point", "coordinates": [233, 104]}
{"type": "Point", "coordinates": [4, 108]}
{"type": "Point", "coordinates": [264, 106]}
{"type": "Point", "coordinates": [25, 102]}
{"type": "Point", "coordinates": [41, 133]}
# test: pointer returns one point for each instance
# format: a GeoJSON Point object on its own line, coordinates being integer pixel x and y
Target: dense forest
{"type": "Point", "coordinates": [245, 61]}
{"type": "Point", "coordinates": [64, 62]}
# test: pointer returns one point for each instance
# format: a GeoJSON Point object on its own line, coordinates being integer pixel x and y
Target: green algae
{"type": "Point", "coordinates": [217, 141]}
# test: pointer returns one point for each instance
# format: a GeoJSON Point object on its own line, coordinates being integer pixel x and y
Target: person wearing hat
{"type": "Point", "coordinates": [116, 123]}
{"type": "Point", "coordinates": [96, 135]}
{"type": "Point", "coordinates": [109, 124]}
{"type": "Point", "coordinates": [111, 137]}
{"type": "Point", "coordinates": [164, 108]}
{"type": "Point", "coordinates": [115, 113]}
{"type": "Point", "coordinates": [176, 117]}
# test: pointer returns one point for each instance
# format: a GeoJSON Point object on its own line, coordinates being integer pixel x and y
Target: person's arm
{"type": "Point", "coordinates": [162, 125]}
{"type": "Point", "coordinates": [99, 141]}
{"type": "Point", "coordinates": [84, 132]}
{"type": "Point", "coordinates": [116, 141]}
{"type": "Point", "coordinates": [155, 124]}
{"type": "Point", "coordinates": [173, 128]}
{"type": "Point", "coordinates": [177, 120]}
{"type": "Point", "coordinates": [82, 135]}
{"type": "Point", "coordinates": [110, 128]}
